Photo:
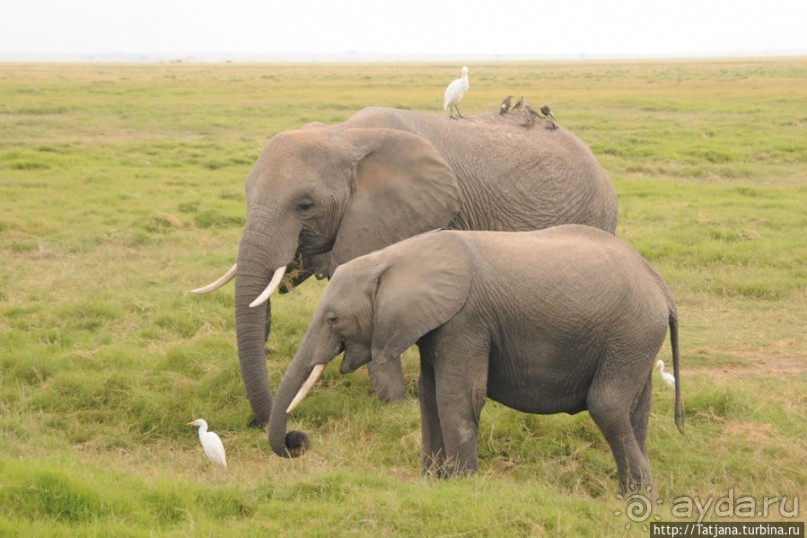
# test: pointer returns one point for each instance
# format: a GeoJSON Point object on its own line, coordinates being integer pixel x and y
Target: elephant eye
{"type": "Point", "coordinates": [330, 319]}
{"type": "Point", "coordinates": [305, 205]}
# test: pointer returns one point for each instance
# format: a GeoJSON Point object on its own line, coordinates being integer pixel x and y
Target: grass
{"type": "Point", "coordinates": [121, 188]}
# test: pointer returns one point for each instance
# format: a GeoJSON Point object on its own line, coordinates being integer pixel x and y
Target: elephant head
{"type": "Point", "coordinates": [328, 194]}
{"type": "Point", "coordinates": [374, 308]}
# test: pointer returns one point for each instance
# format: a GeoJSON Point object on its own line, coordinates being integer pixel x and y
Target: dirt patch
{"type": "Point", "coordinates": [772, 365]}
{"type": "Point", "coordinates": [756, 432]}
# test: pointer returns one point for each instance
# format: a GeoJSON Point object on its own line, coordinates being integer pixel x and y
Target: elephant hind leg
{"type": "Point", "coordinates": [611, 412]}
{"type": "Point", "coordinates": [640, 414]}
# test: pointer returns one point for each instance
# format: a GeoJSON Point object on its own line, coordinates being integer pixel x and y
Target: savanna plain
{"type": "Point", "coordinates": [121, 189]}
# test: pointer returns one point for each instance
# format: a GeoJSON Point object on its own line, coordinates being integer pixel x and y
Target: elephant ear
{"type": "Point", "coordinates": [425, 283]}
{"type": "Point", "coordinates": [402, 186]}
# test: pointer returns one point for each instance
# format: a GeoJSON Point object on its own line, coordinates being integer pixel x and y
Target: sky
{"type": "Point", "coordinates": [523, 28]}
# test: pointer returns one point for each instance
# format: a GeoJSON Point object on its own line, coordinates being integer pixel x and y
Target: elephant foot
{"type": "Point", "coordinates": [255, 423]}
{"type": "Point", "coordinates": [634, 488]}
{"type": "Point", "coordinates": [445, 469]}
{"type": "Point", "coordinates": [391, 396]}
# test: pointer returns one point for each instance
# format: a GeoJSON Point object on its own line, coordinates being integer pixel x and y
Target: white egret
{"type": "Point", "coordinates": [454, 93]}
{"type": "Point", "coordinates": [666, 376]}
{"type": "Point", "coordinates": [210, 442]}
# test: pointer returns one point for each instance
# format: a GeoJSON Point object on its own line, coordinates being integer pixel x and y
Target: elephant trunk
{"type": "Point", "coordinates": [318, 347]}
{"type": "Point", "coordinates": [252, 328]}
{"type": "Point", "coordinates": [293, 443]}
{"type": "Point", "coordinates": [259, 258]}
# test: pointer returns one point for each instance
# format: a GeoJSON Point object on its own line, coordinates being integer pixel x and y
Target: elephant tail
{"type": "Point", "coordinates": [679, 406]}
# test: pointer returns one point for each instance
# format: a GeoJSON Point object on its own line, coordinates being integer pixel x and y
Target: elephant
{"type": "Point", "coordinates": [322, 195]}
{"type": "Point", "coordinates": [559, 320]}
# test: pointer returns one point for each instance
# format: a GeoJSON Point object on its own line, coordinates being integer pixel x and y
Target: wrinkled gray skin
{"type": "Point", "coordinates": [320, 196]}
{"type": "Point", "coordinates": [554, 321]}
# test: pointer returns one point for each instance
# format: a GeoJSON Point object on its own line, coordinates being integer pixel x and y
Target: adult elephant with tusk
{"type": "Point", "coordinates": [320, 196]}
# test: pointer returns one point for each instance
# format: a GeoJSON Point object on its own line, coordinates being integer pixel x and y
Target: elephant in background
{"type": "Point", "coordinates": [560, 320]}
{"type": "Point", "coordinates": [320, 196]}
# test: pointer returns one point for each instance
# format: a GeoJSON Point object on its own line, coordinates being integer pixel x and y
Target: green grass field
{"type": "Point", "coordinates": [121, 188]}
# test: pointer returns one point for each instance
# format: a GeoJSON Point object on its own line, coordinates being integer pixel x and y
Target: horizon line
{"type": "Point", "coordinates": [363, 56]}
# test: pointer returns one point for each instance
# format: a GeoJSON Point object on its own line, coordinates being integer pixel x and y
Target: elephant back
{"type": "Point", "coordinates": [511, 178]}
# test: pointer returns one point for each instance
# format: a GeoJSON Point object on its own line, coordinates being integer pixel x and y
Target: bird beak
{"type": "Point", "coordinates": [189, 424]}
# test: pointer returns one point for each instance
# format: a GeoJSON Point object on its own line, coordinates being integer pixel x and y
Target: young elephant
{"type": "Point", "coordinates": [560, 320]}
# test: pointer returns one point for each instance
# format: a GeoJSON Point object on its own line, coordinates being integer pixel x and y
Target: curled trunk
{"type": "Point", "coordinates": [294, 443]}
{"type": "Point", "coordinates": [319, 346]}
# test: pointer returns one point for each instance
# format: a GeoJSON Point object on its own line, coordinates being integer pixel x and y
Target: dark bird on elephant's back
{"type": "Point", "coordinates": [529, 115]}
{"type": "Point", "coordinates": [505, 107]}
{"type": "Point", "coordinates": [545, 110]}
{"type": "Point", "coordinates": [531, 111]}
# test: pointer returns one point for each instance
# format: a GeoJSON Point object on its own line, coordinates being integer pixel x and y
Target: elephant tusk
{"type": "Point", "coordinates": [270, 289]}
{"type": "Point", "coordinates": [315, 373]}
{"type": "Point", "coordinates": [226, 277]}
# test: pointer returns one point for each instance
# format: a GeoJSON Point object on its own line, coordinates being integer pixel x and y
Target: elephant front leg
{"type": "Point", "coordinates": [432, 455]}
{"type": "Point", "coordinates": [388, 380]}
{"type": "Point", "coordinates": [461, 388]}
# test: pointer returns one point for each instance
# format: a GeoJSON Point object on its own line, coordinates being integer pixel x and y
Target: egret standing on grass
{"type": "Point", "coordinates": [454, 93]}
{"type": "Point", "coordinates": [210, 442]}
{"type": "Point", "coordinates": [666, 376]}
